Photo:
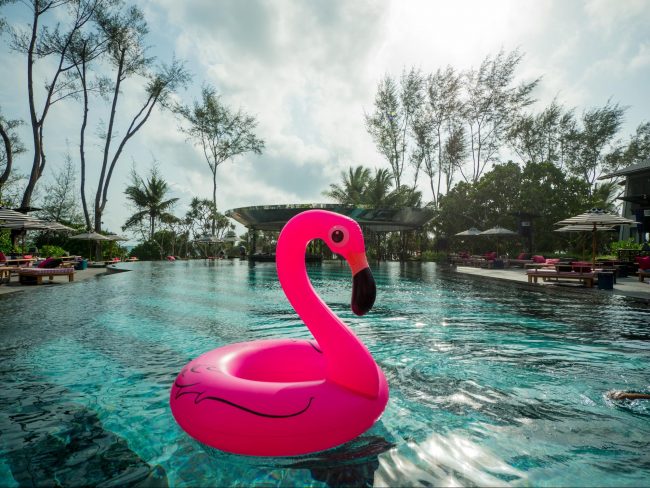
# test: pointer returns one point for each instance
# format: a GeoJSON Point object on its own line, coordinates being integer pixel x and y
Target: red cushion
{"type": "Point", "coordinates": [523, 255]}
{"type": "Point", "coordinates": [552, 260]}
{"type": "Point", "coordinates": [49, 263]}
{"type": "Point", "coordinates": [538, 259]}
{"type": "Point", "coordinates": [3, 258]}
{"type": "Point", "coordinates": [644, 262]}
{"type": "Point", "coordinates": [27, 256]}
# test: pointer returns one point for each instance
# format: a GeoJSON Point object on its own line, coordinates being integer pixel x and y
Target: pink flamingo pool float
{"type": "Point", "coordinates": [285, 397]}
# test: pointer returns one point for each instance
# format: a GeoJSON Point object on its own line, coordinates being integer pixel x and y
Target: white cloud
{"type": "Point", "coordinates": [309, 70]}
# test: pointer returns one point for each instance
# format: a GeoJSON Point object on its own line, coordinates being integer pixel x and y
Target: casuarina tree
{"type": "Point", "coordinates": [220, 132]}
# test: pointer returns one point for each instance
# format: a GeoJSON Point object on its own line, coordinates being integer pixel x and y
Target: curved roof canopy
{"type": "Point", "coordinates": [273, 217]}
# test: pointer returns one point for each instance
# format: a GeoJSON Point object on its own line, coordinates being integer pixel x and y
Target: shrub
{"type": "Point", "coordinates": [5, 241]}
{"type": "Point", "coordinates": [52, 251]}
{"type": "Point", "coordinates": [629, 244]}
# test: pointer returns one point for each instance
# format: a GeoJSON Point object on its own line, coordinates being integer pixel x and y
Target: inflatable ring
{"type": "Point", "coordinates": [286, 397]}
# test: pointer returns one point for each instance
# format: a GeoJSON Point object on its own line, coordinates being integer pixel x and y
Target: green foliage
{"type": "Point", "coordinates": [638, 149]}
{"type": "Point", "coordinates": [52, 251]}
{"type": "Point", "coordinates": [5, 241]}
{"type": "Point", "coordinates": [148, 198]}
{"type": "Point", "coordinates": [146, 251]}
{"type": "Point", "coordinates": [544, 137]}
{"type": "Point", "coordinates": [538, 188]}
{"type": "Point", "coordinates": [60, 201]}
{"type": "Point", "coordinates": [596, 148]}
{"type": "Point", "coordinates": [395, 111]}
{"type": "Point", "coordinates": [221, 133]}
{"type": "Point", "coordinates": [492, 101]}
{"type": "Point", "coordinates": [203, 219]}
{"type": "Point", "coordinates": [358, 187]}
{"type": "Point", "coordinates": [629, 244]}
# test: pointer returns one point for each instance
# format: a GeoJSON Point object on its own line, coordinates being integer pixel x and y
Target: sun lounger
{"type": "Point", "coordinates": [25, 275]}
{"type": "Point", "coordinates": [586, 278]}
{"type": "Point", "coordinates": [5, 273]}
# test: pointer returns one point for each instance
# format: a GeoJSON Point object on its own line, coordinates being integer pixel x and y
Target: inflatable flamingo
{"type": "Point", "coordinates": [286, 397]}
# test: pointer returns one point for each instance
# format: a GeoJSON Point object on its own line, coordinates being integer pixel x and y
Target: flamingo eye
{"type": "Point", "coordinates": [339, 235]}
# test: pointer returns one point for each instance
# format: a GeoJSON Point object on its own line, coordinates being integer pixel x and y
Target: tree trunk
{"type": "Point", "coordinates": [82, 152]}
{"type": "Point", "coordinates": [214, 199]}
{"type": "Point", "coordinates": [107, 146]}
{"type": "Point", "coordinates": [36, 162]}
{"type": "Point", "coordinates": [8, 149]}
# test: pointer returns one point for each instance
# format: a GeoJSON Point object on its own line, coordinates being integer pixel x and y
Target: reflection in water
{"type": "Point", "coordinates": [450, 460]}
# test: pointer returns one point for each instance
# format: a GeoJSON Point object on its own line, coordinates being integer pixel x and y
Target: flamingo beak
{"type": "Point", "coordinates": [364, 290]}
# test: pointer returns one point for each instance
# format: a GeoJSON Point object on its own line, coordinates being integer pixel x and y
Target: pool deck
{"type": "Point", "coordinates": [14, 286]}
{"type": "Point", "coordinates": [628, 287]}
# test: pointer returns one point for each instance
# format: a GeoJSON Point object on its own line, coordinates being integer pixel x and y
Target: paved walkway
{"type": "Point", "coordinates": [629, 287]}
{"type": "Point", "coordinates": [14, 286]}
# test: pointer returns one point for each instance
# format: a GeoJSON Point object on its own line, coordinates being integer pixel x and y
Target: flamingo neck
{"type": "Point", "coordinates": [348, 362]}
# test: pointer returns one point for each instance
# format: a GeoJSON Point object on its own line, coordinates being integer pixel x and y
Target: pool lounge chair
{"type": "Point", "coordinates": [552, 275]}
{"type": "Point", "coordinates": [521, 260]}
{"type": "Point", "coordinates": [35, 275]}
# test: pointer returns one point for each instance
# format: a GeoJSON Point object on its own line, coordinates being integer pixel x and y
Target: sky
{"type": "Point", "coordinates": [308, 71]}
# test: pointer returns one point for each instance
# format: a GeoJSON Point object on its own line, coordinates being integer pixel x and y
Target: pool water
{"type": "Point", "coordinates": [490, 383]}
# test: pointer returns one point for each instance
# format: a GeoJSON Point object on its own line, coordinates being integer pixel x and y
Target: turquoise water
{"type": "Point", "coordinates": [491, 384]}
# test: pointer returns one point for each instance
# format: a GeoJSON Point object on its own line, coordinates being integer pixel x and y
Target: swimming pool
{"type": "Point", "coordinates": [491, 384]}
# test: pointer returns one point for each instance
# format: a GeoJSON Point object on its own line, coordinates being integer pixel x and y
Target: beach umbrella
{"type": "Point", "coordinates": [473, 231]}
{"type": "Point", "coordinates": [208, 240]}
{"type": "Point", "coordinates": [59, 226]}
{"type": "Point", "coordinates": [583, 228]}
{"type": "Point", "coordinates": [596, 218]}
{"type": "Point", "coordinates": [497, 232]}
{"type": "Point", "coordinates": [90, 236]}
{"type": "Point", "coordinates": [30, 223]}
{"type": "Point", "coordinates": [116, 237]}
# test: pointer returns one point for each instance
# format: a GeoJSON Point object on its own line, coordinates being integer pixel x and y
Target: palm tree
{"type": "Point", "coordinates": [352, 190]}
{"type": "Point", "coordinates": [149, 199]}
{"type": "Point", "coordinates": [378, 189]}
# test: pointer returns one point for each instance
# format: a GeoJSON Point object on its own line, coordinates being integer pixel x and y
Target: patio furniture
{"type": "Point", "coordinates": [5, 273]}
{"type": "Point", "coordinates": [550, 274]}
{"type": "Point", "coordinates": [643, 274]}
{"type": "Point", "coordinates": [521, 260]}
{"type": "Point", "coordinates": [35, 275]}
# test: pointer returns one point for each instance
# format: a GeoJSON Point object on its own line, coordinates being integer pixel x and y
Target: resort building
{"type": "Point", "coordinates": [373, 221]}
{"type": "Point", "coordinates": [636, 199]}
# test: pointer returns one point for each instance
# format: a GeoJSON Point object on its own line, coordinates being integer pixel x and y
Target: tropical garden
{"type": "Point", "coordinates": [473, 146]}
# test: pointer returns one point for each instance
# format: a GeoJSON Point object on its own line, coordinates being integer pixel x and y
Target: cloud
{"type": "Point", "coordinates": [308, 70]}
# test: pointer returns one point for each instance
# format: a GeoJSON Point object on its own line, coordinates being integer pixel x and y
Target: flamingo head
{"type": "Point", "coordinates": [344, 237]}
